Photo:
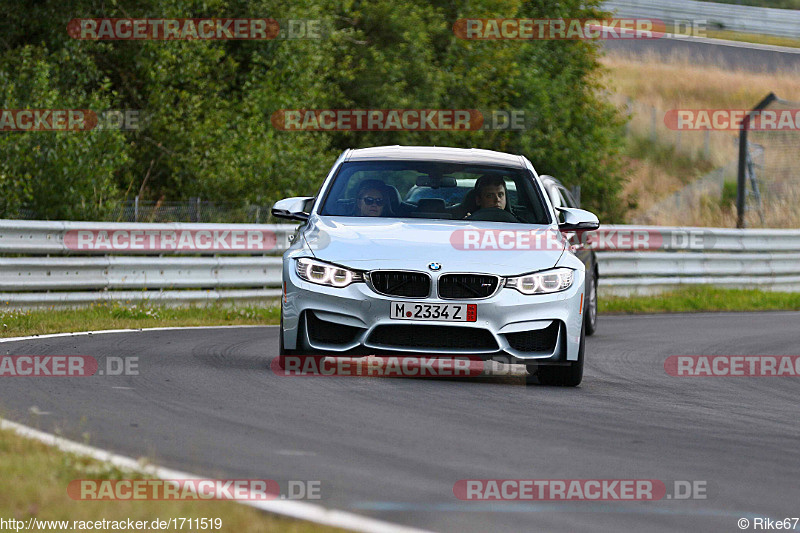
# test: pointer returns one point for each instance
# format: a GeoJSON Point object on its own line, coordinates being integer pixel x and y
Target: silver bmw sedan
{"type": "Point", "coordinates": [435, 252]}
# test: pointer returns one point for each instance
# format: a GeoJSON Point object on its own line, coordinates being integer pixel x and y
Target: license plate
{"type": "Point", "coordinates": [444, 312]}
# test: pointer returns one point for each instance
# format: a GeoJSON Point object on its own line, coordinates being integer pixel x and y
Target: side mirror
{"type": "Point", "coordinates": [577, 219]}
{"type": "Point", "coordinates": [296, 208]}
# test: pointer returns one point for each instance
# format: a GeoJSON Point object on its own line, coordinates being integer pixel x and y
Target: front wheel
{"type": "Point", "coordinates": [292, 359]}
{"type": "Point", "coordinates": [590, 313]}
{"type": "Point", "coordinates": [281, 349]}
{"type": "Point", "coordinates": [563, 376]}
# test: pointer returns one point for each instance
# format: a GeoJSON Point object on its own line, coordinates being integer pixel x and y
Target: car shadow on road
{"type": "Point", "coordinates": [416, 367]}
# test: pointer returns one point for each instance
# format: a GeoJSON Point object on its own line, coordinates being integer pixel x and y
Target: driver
{"type": "Point", "coordinates": [491, 192]}
{"type": "Point", "coordinates": [489, 197]}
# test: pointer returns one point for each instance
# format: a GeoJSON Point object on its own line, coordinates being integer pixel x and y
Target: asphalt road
{"type": "Point", "coordinates": [206, 402]}
{"type": "Point", "coordinates": [725, 54]}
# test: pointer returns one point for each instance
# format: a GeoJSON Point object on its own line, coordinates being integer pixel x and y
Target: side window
{"type": "Point", "coordinates": [567, 197]}
{"type": "Point", "coordinates": [555, 198]}
{"type": "Point", "coordinates": [557, 201]}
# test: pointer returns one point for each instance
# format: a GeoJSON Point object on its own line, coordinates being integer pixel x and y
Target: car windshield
{"type": "Point", "coordinates": [433, 190]}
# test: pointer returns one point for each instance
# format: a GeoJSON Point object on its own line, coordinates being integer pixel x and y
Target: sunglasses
{"type": "Point", "coordinates": [369, 200]}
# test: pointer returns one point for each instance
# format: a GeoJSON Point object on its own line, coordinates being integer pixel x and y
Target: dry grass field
{"type": "Point", "coordinates": [661, 161]}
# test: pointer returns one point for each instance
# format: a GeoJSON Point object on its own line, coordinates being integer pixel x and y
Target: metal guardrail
{"type": "Point", "coordinates": [45, 237]}
{"type": "Point", "coordinates": [767, 259]}
{"type": "Point", "coordinates": [749, 19]}
{"type": "Point", "coordinates": [692, 239]}
{"type": "Point", "coordinates": [120, 272]}
{"type": "Point", "coordinates": [645, 264]}
{"type": "Point", "coordinates": [104, 261]}
{"type": "Point", "coordinates": [623, 273]}
{"type": "Point", "coordinates": [632, 259]}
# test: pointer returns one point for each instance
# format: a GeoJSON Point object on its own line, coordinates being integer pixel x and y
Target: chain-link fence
{"type": "Point", "coordinates": [699, 197]}
{"type": "Point", "coordinates": [650, 122]}
{"type": "Point", "coordinates": [192, 210]}
{"type": "Point", "coordinates": [772, 175]}
{"type": "Point", "coordinates": [707, 201]}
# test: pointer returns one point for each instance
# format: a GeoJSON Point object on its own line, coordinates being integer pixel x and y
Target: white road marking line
{"type": "Point", "coordinates": [294, 509]}
{"type": "Point", "coordinates": [733, 44]}
{"type": "Point", "coordinates": [100, 332]}
{"type": "Point", "coordinates": [294, 452]}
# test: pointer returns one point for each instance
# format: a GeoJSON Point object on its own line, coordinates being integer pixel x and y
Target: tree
{"type": "Point", "coordinates": [209, 103]}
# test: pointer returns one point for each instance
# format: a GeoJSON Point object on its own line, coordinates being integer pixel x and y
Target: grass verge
{"type": "Point", "coordinates": [698, 299]}
{"type": "Point", "coordinates": [35, 479]}
{"type": "Point", "coordinates": [740, 36]}
{"type": "Point", "coordinates": [118, 316]}
{"type": "Point", "coordinates": [35, 476]}
{"type": "Point", "coordinates": [755, 38]}
{"type": "Point", "coordinates": [779, 4]}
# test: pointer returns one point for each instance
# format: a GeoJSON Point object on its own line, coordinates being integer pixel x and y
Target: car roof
{"type": "Point", "coordinates": [436, 153]}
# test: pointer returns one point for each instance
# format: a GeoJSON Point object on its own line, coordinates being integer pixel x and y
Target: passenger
{"type": "Point", "coordinates": [371, 199]}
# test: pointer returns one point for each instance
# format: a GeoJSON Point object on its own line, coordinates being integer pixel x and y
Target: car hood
{"type": "Point", "coordinates": [391, 243]}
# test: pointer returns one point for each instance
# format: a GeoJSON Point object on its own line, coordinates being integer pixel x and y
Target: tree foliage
{"type": "Point", "coordinates": [208, 103]}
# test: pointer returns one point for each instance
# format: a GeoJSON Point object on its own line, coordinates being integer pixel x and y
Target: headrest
{"type": "Point", "coordinates": [431, 205]}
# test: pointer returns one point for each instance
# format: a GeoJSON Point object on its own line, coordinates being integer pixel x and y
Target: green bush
{"type": "Point", "coordinates": [729, 193]}
{"type": "Point", "coordinates": [209, 103]}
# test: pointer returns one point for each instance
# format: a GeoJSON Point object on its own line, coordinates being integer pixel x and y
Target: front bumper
{"type": "Point", "coordinates": [511, 327]}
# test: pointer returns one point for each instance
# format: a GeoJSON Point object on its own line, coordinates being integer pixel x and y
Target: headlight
{"type": "Point", "coordinates": [555, 280]}
{"type": "Point", "coordinates": [326, 274]}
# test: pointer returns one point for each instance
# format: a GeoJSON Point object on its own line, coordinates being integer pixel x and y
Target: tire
{"type": "Point", "coordinates": [283, 353]}
{"type": "Point", "coordinates": [563, 376]}
{"type": "Point", "coordinates": [590, 312]}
